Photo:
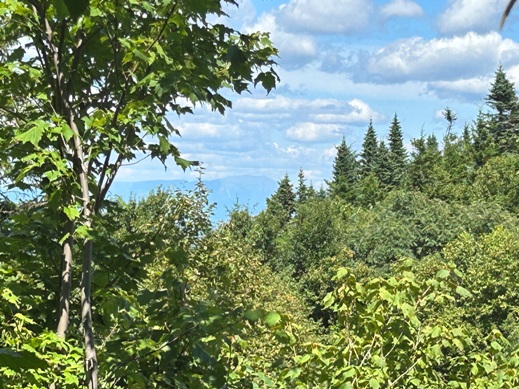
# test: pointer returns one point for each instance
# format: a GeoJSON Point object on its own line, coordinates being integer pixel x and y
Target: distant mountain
{"type": "Point", "coordinates": [251, 191]}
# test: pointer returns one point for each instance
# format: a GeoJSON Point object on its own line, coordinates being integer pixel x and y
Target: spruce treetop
{"type": "Point", "coordinates": [369, 150]}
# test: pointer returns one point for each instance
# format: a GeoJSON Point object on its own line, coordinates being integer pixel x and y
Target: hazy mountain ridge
{"type": "Point", "coordinates": [251, 191]}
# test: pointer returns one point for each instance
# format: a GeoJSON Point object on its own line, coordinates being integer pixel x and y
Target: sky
{"type": "Point", "coordinates": [343, 63]}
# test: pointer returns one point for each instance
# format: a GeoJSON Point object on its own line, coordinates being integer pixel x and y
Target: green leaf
{"type": "Point", "coordinates": [139, 54]}
{"type": "Point", "coordinates": [268, 81]}
{"type": "Point", "coordinates": [463, 292]}
{"type": "Point", "coordinates": [71, 212]}
{"type": "Point", "coordinates": [342, 272]}
{"type": "Point", "coordinates": [236, 56]}
{"type": "Point", "coordinates": [272, 319]}
{"type": "Point", "coordinates": [61, 9]}
{"type": "Point", "coordinates": [164, 144]}
{"type": "Point", "coordinates": [350, 372]}
{"type": "Point", "coordinates": [436, 350]}
{"type": "Point", "coordinates": [328, 300]}
{"type": "Point", "coordinates": [458, 344]}
{"type": "Point", "coordinates": [444, 273]}
{"type": "Point", "coordinates": [496, 346]}
{"type": "Point", "coordinates": [65, 237]}
{"type": "Point", "coordinates": [34, 134]}
{"type": "Point", "coordinates": [184, 163]}
{"type": "Point", "coordinates": [16, 55]}
{"type": "Point", "coordinates": [386, 295]}
{"type": "Point", "coordinates": [66, 131]}
{"type": "Point", "coordinates": [101, 278]}
{"type": "Point", "coordinates": [20, 360]}
{"type": "Point", "coordinates": [253, 314]}
{"type": "Point", "coordinates": [305, 358]}
{"type": "Point", "coordinates": [77, 8]}
{"type": "Point", "coordinates": [408, 310]}
{"type": "Point", "coordinates": [436, 331]}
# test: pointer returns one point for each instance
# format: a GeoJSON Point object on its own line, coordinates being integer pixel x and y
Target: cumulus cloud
{"type": "Point", "coordinates": [326, 17]}
{"type": "Point", "coordinates": [401, 8]}
{"type": "Point", "coordinates": [445, 59]}
{"type": "Point", "coordinates": [359, 113]}
{"type": "Point", "coordinates": [471, 15]}
{"type": "Point", "coordinates": [332, 111]}
{"type": "Point", "coordinates": [463, 89]}
{"type": "Point", "coordinates": [295, 50]}
{"type": "Point", "coordinates": [313, 132]}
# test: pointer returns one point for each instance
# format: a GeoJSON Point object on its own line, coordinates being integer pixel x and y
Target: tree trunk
{"type": "Point", "coordinates": [91, 369]}
{"type": "Point", "coordinates": [65, 282]}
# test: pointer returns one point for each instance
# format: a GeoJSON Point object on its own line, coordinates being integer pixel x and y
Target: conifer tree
{"type": "Point", "coordinates": [450, 116]}
{"type": "Point", "coordinates": [483, 146]}
{"type": "Point", "coordinates": [504, 124]}
{"type": "Point", "coordinates": [383, 169]}
{"type": "Point", "coordinates": [345, 172]}
{"type": "Point", "coordinates": [282, 202]}
{"type": "Point", "coordinates": [397, 153]}
{"type": "Point", "coordinates": [425, 163]}
{"type": "Point", "coordinates": [369, 151]}
{"type": "Point", "coordinates": [302, 191]}
{"type": "Point", "coordinates": [321, 193]}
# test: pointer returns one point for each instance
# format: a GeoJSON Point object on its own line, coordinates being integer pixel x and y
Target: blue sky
{"type": "Point", "coordinates": [342, 63]}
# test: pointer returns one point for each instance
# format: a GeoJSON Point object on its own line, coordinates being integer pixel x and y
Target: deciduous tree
{"type": "Point", "coordinates": [87, 85]}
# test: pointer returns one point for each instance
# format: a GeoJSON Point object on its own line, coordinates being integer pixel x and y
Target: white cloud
{"type": "Point", "coordinates": [322, 110]}
{"type": "Point", "coordinates": [477, 86]}
{"type": "Point", "coordinates": [360, 113]}
{"type": "Point", "coordinates": [277, 103]}
{"type": "Point", "coordinates": [471, 15]}
{"type": "Point", "coordinates": [294, 151]}
{"type": "Point", "coordinates": [329, 153]}
{"type": "Point", "coordinates": [294, 49]}
{"type": "Point", "coordinates": [245, 12]}
{"type": "Point", "coordinates": [512, 74]}
{"type": "Point", "coordinates": [209, 130]}
{"type": "Point", "coordinates": [401, 8]}
{"type": "Point", "coordinates": [326, 17]}
{"type": "Point", "coordinates": [438, 59]}
{"type": "Point", "coordinates": [313, 132]}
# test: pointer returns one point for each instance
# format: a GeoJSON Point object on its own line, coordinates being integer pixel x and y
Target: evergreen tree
{"type": "Point", "coordinates": [383, 169]}
{"type": "Point", "coordinates": [302, 191]}
{"type": "Point", "coordinates": [369, 151]}
{"type": "Point", "coordinates": [321, 193]}
{"type": "Point", "coordinates": [483, 146]}
{"type": "Point", "coordinates": [397, 153]}
{"type": "Point", "coordinates": [282, 202]}
{"type": "Point", "coordinates": [368, 190]}
{"type": "Point", "coordinates": [345, 172]}
{"type": "Point", "coordinates": [467, 139]}
{"type": "Point", "coordinates": [425, 165]}
{"type": "Point", "coordinates": [502, 96]}
{"type": "Point", "coordinates": [450, 116]}
{"type": "Point", "coordinates": [504, 124]}
{"type": "Point", "coordinates": [312, 192]}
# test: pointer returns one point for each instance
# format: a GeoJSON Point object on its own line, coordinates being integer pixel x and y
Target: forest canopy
{"type": "Point", "coordinates": [399, 273]}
